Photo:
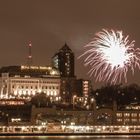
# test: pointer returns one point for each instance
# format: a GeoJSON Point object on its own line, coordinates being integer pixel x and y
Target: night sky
{"type": "Point", "coordinates": [48, 24]}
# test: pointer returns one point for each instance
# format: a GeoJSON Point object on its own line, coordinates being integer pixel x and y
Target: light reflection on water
{"type": "Point", "coordinates": [103, 137]}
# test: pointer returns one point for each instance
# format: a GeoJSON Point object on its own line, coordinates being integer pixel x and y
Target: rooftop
{"type": "Point", "coordinates": [65, 48]}
{"type": "Point", "coordinates": [32, 71]}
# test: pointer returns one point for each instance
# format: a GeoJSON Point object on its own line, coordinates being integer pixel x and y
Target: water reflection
{"type": "Point", "coordinates": [103, 137]}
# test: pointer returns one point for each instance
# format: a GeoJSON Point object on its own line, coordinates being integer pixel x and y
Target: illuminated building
{"type": "Point", "coordinates": [128, 115]}
{"type": "Point", "coordinates": [117, 115]}
{"type": "Point", "coordinates": [12, 102]}
{"type": "Point", "coordinates": [83, 87]}
{"type": "Point", "coordinates": [24, 81]}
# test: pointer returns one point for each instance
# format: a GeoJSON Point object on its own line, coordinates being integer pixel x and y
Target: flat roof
{"type": "Point", "coordinates": [32, 71]}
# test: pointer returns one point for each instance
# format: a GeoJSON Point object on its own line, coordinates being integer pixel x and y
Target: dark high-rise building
{"type": "Point", "coordinates": [64, 61]}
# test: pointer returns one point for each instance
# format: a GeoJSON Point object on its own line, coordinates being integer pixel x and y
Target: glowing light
{"type": "Point", "coordinates": [110, 55]}
{"type": "Point", "coordinates": [39, 90]}
{"type": "Point", "coordinates": [35, 67]}
{"type": "Point", "coordinates": [29, 56]}
{"type": "Point", "coordinates": [30, 45]}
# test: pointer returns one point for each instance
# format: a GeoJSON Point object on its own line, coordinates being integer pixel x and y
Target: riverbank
{"type": "Point", "coordinates": [68, 130]}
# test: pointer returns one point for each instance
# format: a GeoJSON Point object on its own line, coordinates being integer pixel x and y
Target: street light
{"type": "Point", "coordinates": [73, 100]}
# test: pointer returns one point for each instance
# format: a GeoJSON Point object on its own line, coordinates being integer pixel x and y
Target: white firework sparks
{"type": "Point", "coordinates": [110, 55]}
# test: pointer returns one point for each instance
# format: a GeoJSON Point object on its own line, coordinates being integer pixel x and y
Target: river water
{"type": "Point", "coordinates": [69, 137]}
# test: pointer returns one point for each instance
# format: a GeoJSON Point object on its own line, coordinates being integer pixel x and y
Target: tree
{"type": "Point", "coordinates": [40, 100]}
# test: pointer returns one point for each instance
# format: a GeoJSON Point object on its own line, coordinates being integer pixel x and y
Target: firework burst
{"type": "Point", "coordinates": [110, 55]}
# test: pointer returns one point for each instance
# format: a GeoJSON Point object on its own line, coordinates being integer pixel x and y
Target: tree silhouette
{"type": "Point", "coordinates": [40, 100]}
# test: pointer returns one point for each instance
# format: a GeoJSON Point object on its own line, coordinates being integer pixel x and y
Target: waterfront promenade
{"type": "Point", "coordinates": [68, 130]}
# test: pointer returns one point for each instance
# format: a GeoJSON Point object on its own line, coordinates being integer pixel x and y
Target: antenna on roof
{"type": "Point", "coordinates": [29, 59]}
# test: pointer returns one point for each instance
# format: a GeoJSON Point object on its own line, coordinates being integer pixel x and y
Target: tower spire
{"type": "Point", "coordinates": [29, 59]}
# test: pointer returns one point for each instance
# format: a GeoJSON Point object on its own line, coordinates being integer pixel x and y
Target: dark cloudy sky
{"type": "Point", "coordinates": [51, 23]}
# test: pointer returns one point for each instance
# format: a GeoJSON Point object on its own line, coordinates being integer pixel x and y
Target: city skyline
{"type": "Point", "coordinates": [49, 24]}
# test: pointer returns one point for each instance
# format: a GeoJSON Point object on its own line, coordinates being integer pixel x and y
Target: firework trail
{"type": "Point", "coordinates": [110, 55]}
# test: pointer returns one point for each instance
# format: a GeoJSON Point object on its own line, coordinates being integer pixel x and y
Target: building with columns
{"type": "Point", "coordinates": [25, 81]}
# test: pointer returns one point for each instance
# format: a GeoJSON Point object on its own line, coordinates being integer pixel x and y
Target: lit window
{"type": "Point", "coordinates": [119, 120]}
{"type": "Point", "coordinates": [134, 120]}
{"type": "Point", "coordinates": [134, 114]}
{"type": "Point", "coordinates": [52, 93]}
{"type": "Point", "coordinates": [126, 120]}
{"type": "Point", "coordinates": [126, 114]}
{"type": "Point", "coordinates": [119, 114]}
{"type": "Point", "coordinates": [55, 93]}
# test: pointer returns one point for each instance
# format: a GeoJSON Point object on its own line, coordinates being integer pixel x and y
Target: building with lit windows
{"type": "Point", "coordinates": [63, 60]}
{"type": "Point", "coordinates": [83, 87]}
{"type": "Point", "coordinates": [117, 115]}
{"type": "Point", "coordinates": [68, 89]}
{"type": "Point", "coordinates": [25, 81]}
{"type": "Point", "coordinates": [128, 115]}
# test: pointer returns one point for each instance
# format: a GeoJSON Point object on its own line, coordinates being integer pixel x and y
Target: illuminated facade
{"type": "Point", "coordinates": [25, 82]}
{"type": "Point", "coordinates": [129, 115]}
{"type": "Point", "coordinates": [117, 115]}
{"type": "Point", "coordinates": [83, 87]}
